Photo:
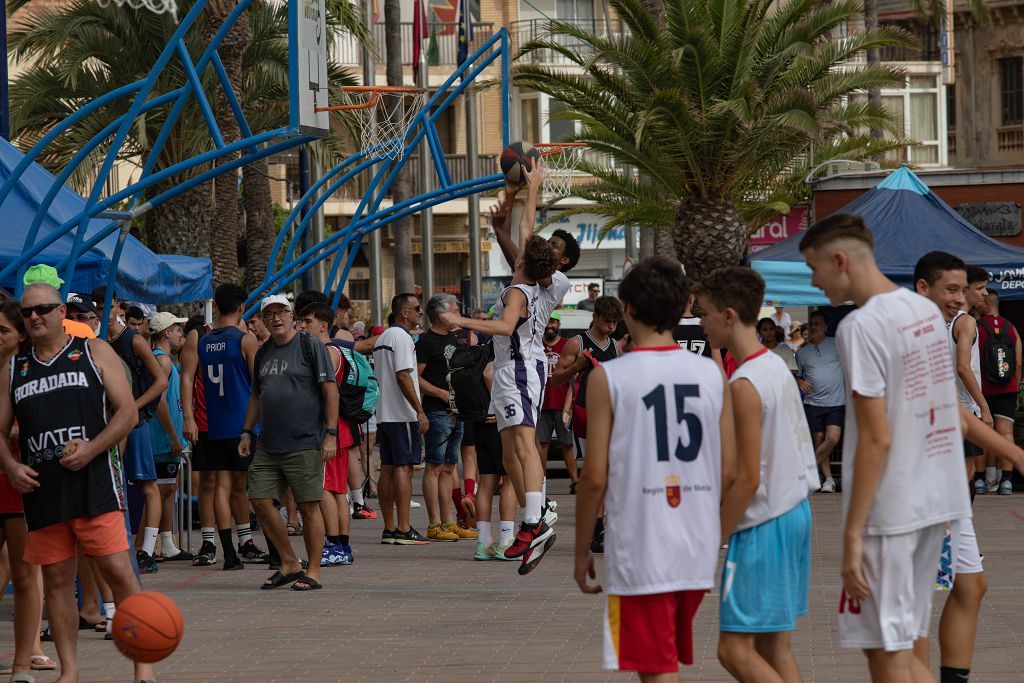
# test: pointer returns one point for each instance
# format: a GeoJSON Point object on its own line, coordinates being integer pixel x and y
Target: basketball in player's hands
{"type": "Point", "coordinates": [516, 159]}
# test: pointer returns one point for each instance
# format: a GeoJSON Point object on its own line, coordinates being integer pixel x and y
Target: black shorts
{"type": "Point", "coordinates": [970, 450]}
{"type": "Point", "coordinates": [1002, 405]}
{"type": "Point", "coordinates": [468, 435]}
{"type": "Point", "coordinates": [218, 455]}
{"type": "Point", "coordinates": [488, 448]}
{"type": "Point", "coordinates": [167, 472]}
{"type": "Point", "coordinates": [357, 435]}
{"type": "Point", "coordinates": [820, 417]}
{"type": "Point", "coordinates": [400, 443]}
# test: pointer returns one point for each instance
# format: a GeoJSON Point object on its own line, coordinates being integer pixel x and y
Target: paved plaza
{"type": "Point", "coordinates": [430, 613]}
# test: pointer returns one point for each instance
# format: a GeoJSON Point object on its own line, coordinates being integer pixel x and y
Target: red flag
{"type": "Point", "coordinates": [419, 34]}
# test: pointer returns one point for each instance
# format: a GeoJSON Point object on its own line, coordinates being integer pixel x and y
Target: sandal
{"type": "Point", "coordinates": [277, 579]}
{"type": "Point", "coordinates": [46, 635]}
{"type": "Point", "coordinates": [41, 663]}
{"type": "Point", "coordinates": [22, 678]}
{"type": "Point", "coordinates": [310, 584]}
{"type": "Point", "coordinates": [100, 627]}
{"type": "Point", "coordinates": [294, 529]}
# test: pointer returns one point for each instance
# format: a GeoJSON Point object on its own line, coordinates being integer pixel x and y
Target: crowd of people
{"type": "Point", "coordinates": [679, 434]}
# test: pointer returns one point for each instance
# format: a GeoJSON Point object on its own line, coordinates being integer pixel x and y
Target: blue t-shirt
{"type": "Point", "coordinates": [157, 436]}
{"type": "Point", "coordinates": [226, 381]}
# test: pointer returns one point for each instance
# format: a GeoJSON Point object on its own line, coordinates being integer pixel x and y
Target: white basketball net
{"type": "Point", "coordinates": [559, 169]}
{"type": "Point", "coordinates": [384, 125]}
{"type": "Point", "coordinates": [157, 6]}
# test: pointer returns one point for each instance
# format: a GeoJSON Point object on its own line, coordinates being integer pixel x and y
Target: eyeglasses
{"type": "Point", "coordinates": [83, 317]}
{"type": "Point", "coordinates": [40, 310]}
{"type": "Point", "coordinates": [280, 315]}
{"type": "Point", "coordinates": [413, 308]}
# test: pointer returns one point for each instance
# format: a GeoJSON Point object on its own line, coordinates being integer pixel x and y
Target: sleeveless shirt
{"type": "Point", "coordinates": [601, 354]}
{"type": "Point", "coordinates": [226, 381]}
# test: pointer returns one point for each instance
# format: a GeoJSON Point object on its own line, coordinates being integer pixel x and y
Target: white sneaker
{"type": "Point", "coordinates": [1006, 488]}
{"type": "Point", "coordinates": [829, 486]}
{"type": "Point", "coordinates": [414, 504]}
{"type": "Point", "coordinates": [992, 485]}
{"type": "Point", "coordinates": [550, 516]}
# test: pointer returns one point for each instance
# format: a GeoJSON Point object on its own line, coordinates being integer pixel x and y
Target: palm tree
{"type": "Point", "coordinates": [716, 107]}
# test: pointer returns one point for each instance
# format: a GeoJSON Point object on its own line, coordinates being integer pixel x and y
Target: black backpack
{"type": "Point", "coordinates": [466, 382]}
{"type": "Point", "coordinates": [998, 359]}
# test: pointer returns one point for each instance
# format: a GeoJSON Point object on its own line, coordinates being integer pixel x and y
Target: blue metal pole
{"type": "Point", "coordinates": [108, 298]}
{"type": "Point", "coordinates": [307, 278]}
{"type": "Point", "coordinates": [5, 99]}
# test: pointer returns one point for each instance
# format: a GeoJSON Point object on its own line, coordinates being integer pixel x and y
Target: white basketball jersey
{"type": "Point", "coordinates": [548, 299]}
{"type": "Point", "coordinates": [788, 467]}
{"type": "Point", "coordinates": [662, 526]}
{"type": "Point", "coordinates": [966, 400]}
{"type": "Point", "coordinates": [519, 345]}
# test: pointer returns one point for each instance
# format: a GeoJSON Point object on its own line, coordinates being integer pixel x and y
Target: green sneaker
{"type": "Point", "coordinates": [484, 552]}
{"type": "Point", "coordinates": [499, 551]}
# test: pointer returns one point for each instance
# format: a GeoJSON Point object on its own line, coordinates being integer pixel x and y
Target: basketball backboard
{"type": "Point", "coordinates": [307, 39]}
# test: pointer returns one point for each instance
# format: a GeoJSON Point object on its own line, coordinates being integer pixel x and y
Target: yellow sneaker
{"type": "Point", "coordinates": [454, 528]}
{"type": "Point", "coordinates": [435, 532]}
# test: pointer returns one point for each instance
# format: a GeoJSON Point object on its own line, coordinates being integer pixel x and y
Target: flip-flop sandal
{"type": "Point", "coordinates": [41, 663]}
{"type": "Point", "coordinates": [22, 678]}
{"type": "Point", "coordinates": [294, 530]}
{"type": "Point", "coordinates": [84, 624]}
{"type": "Point", "coordinates": [311, 584]}
{"type": "Point", "coordinates": [100, 627]}
{"type": "Point", "coordinates": [277, 579]}
{"type": "Point", "coordinates": [46, 635]}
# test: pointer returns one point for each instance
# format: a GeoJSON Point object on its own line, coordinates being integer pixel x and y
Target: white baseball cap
{"type": "Point", "coordinates": [158, 322]}
{"type": "Point", "coordinates": [275, 299]}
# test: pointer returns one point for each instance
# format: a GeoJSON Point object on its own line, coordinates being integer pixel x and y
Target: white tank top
{"type": "Point", "coordinates": [788, 468]}
{"type": "Point", "coordinates": [662, 526]}
{"type": "Point", "coordinates": [966, 400]}
{"type": "Point", "coordinates": [548, 299]}
{"type": "Point", "coordinates": [519, 345]}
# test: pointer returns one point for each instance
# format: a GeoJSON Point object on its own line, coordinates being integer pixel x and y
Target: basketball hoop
{"type": "Point", "coordinates": [560, 162]}
{"type": "Point", "coordinates": [156, 6]}
{"type": "Point", "coordinates": [385, 114]}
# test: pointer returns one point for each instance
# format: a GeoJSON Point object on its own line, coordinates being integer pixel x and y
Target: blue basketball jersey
{"type": "Point", "coordinates": [226, 381]}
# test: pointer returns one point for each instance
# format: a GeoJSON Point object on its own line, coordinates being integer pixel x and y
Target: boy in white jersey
{"type": "Point", "coordinates": [902, 424]}
{"type": "Point", "coordinates": [942, 278]}
{"type": "Point", "coordinates": [766, 578]}
{"type": "Point", "coordinates": [513, 395]}
{"type": "Point", "coordinates": [660, 451]}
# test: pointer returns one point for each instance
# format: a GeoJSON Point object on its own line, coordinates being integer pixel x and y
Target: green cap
{"type": "Point", "coordinates": [490, 312]}
{"type": "Point", "coordinates": [555, 315]}
{"type": "Point", "coordinates": [41, 273]}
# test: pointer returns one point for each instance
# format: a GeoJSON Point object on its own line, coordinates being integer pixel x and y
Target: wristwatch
{"type": "Point", "coordinates": [332, 432]}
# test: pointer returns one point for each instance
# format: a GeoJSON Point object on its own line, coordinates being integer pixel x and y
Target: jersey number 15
{"type": "Point", "coordinates": [656, 401]}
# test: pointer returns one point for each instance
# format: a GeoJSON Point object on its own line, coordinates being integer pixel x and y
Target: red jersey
{"type": "Point", "coordinates": [1001, 326]}
{"type": "Point", "coordinates": [554, 397]}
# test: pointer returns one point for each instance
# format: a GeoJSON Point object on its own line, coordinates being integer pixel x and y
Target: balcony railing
{"type": "Point", "coordinates": [521, 32]}
{"type": "Point", "coordinates": [350, 53]}
{"type": "Point", "coordinates": [458, 169]}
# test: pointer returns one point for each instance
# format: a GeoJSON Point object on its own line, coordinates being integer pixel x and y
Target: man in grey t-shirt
{"type": "Point", "coordinates": [295, 400]}
{"type": "Point", "coordinates": [820, 377]}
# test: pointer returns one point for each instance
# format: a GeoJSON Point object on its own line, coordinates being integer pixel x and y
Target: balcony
{"type": "Point", "coordinates": [521, 32]}
{"type": "Point", "coordinates": [458, 169]}
{"type": "Point", "coordinates": [349, 53]}
{"type": "Point", "coordinates": [1010, 139]}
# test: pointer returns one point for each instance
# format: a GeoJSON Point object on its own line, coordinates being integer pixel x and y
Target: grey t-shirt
{"type": "Point", "coordinates": [820, 365]}
{"type": "Point", "coordinates": [291, 403]}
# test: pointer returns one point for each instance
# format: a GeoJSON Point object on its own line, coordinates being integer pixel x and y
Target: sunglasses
{"type": "Point", "coordinates": [40, 310]}
{"type": "Point", "coordinates": [412, 308]}
{"type": "Point", "coordinates": [280, 315]}
{"type": "Point", "coordinates": [83, 317]}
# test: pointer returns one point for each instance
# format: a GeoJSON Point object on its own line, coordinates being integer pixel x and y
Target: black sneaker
{"type": "Point", "coordinates": [250, 552]}
{"type": "Point", "coordinates": [410, 537]}
{"type": "Point", "coordinates": [206, 556]}
{"type": "Point", "coordinates": [181, 556]}
{"type": "Point", "coordinates": [147, 565]}
{"type": "Point", "coordinates": [597, 543]}
{"type": "Point", "coordinates": [387, 538]}
{"type": "Point", "coordinates": [233, 563]}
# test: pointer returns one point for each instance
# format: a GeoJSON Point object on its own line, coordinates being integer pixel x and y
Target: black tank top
{"type": "Point", "coordinates": [690, 336]}
{"type": "Point", "coordinates": [599, 353]}
{"type": "Point", "coordinates": [54, 402]}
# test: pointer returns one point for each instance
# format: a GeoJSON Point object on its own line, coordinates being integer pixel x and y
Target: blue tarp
{"type": "Point", "coordinates": [907, 220]}
{"type": "Point", "coordinates": [142, 275]}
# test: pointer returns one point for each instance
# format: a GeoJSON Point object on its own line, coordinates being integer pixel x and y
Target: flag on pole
{"type": "Point", "coordinates": [465, 33]}
{"type": "Point", "coordinates": [433, 49]}
{"type": "Point", "coordinates": [419, 34]}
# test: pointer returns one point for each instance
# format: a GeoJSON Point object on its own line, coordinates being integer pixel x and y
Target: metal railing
{"type": "Point", "coordinates": [349, 52]}
{"type": "Point", "coordinates": [526, 30]}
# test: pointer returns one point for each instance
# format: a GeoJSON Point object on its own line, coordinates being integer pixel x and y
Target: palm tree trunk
{"type": "Point", "coordinates": [873, 57]}
{"type": "Point", "coordinates": [259, 222]}
{"type": "Point", "coordinates": [708, 235]}
{"type": "Point", "coordinates": [181, 226]}
{"type": "Point", "coordinates": [224, 230]}
{"type": "Point", "coordinates": [664, 244]}
{"type": "Point", "coordinates": [646, 243]}
{"type": "Point", "coordinates": [402, 228]}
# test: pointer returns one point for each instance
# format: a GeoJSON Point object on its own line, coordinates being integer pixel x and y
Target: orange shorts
{"type": "Point", "coordinates": [99, 536]}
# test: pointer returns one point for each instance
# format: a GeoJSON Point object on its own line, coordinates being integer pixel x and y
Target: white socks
{"type": "Point", "coordinates": [167, 546]}
{"type": "Point", "coordinates": [244, 532]}
{"type": "Point", "coordinates": [544, 488]}
{"type": "Point", "coordinates": [534, 504]}
{"type": "Point", "coordinates": [508, 531]}
{"type": "Point", "coordinates": [991, 474]}
{"type": "Point", "coordinates": [209, 534]}
{"type": "Point", "coordinates": [483, 533]}
{"type": "Point", "coordinates": [149, 539]}
{"type": "Point", "coordinates": [108, 612]}
{"type": "Point", "coordinates": [356, 495]}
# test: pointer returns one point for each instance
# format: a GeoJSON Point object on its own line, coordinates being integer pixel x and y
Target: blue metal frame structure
{"type": "Point", "coordinates": [252, 148]}
{"type": "Point", "coordinates": [369, 215]}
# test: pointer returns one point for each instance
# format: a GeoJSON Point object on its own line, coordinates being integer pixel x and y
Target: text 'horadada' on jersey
{"type": "Point", "coordinates": [662, 525]}
{"type": "Point", "coordinates": [788, 468]}
{"type": "Point", "coordinates": [895, 347]}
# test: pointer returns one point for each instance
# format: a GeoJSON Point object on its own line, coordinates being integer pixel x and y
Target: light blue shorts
{"type": "Point", "coordinates": [767, 574]}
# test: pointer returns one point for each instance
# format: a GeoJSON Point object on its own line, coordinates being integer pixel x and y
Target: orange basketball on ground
{"type": "Point", "coordinates": [147, 627]}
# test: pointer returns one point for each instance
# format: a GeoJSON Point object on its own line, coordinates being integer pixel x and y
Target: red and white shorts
{"type": "Point", "coordinates": [650, 634]}
{"type": "Point", "coordinates": [336, 469]}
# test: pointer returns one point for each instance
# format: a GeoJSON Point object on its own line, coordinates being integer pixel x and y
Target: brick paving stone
{"type": "Point", "coordinates": [432, 614]}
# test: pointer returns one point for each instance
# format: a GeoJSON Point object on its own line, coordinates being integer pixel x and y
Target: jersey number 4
{"type": "Point", "coordinates": [656, 401]}
{"type": "Point", "coordinates": [216, 377]}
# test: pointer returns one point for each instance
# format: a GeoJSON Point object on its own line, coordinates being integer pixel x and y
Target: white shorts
{"type": "Point", "coordinates": [959, 553]}
{"type": "Point", "coordinates": [514, 393]}
{"type": "Point", "coordinates": [900, 571]}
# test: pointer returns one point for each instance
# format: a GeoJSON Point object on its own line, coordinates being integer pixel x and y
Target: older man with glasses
{"type": "Point", "coordinates": [820, 377]}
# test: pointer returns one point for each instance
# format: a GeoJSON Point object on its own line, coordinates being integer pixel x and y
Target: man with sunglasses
{"type": "Point", "coordinates": [81, 316]}
{"type": "Point", "coordinates": [69, 474]}
{"type": "Point", "coordinates": [401, 422]}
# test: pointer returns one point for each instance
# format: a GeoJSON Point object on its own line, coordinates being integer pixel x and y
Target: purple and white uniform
{"type": "Point", "coordinates": [515, 392]}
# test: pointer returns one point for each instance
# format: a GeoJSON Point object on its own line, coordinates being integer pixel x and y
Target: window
{"type": "Point", "coordinates": [951, 107]}
{"type": "Point", "coordinates": [559, 130]}
{"type": "Point", "coordinates": [1011, 72]}
{"type": "Point", "coordinates": [576, 10]}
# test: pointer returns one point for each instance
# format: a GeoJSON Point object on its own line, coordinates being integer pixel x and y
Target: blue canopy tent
{"type": "Point", "coordinates": [141, 274]}
{"type": "Point", "coordinates": [907, 220]}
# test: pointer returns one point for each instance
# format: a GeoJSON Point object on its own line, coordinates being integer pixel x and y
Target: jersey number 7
{"type": "Point", "coordinates": [656, 401]}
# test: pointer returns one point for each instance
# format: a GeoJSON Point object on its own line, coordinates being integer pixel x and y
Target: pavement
{"type": "Point", "coordinates": [430, 613]}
